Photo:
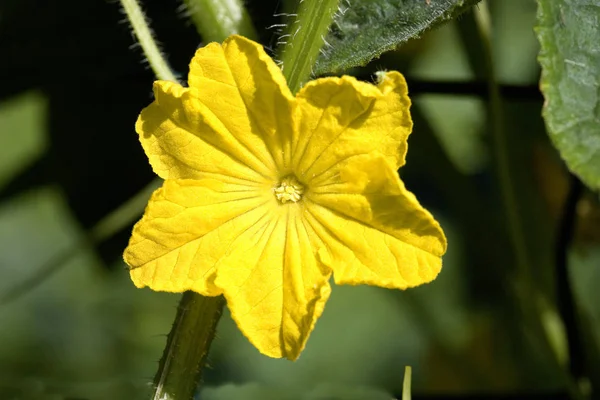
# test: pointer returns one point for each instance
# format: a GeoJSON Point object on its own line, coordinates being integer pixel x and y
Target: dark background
{"type": "Point", "coordinates": [72, 85]}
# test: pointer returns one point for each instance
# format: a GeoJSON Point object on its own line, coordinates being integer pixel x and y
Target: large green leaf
{"type": "Point", "coordinates": [364, 29]}
{"type": "Point", "coordinates": [569, 34]}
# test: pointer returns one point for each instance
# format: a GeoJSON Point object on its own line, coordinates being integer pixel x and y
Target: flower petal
{"type": "Point", "coordinates": [274, 285]}
{"type": "Point", "coordinates": [375, 231]}
{"type": "Point", "coordinates": [187, 227]}
{"type": "Point", "coordinates": [185, 140]}
{"type": "Point", "coordinates": [246, 90]}
{"type": "Point", "coordinates": [343, 117]}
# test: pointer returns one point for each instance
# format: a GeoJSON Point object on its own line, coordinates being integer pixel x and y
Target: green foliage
{"type": "Point", "coordinates": [569, 34]}
{"type": "Point", "coordinates": [69, 155]}
{"type": "Point", "coordinates": [254, 391]}
{"type": "Point", "coordinates": [363, 30]}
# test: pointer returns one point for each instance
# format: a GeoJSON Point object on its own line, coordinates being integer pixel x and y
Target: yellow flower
{"type": "Point", "coordinates": [267, 194]}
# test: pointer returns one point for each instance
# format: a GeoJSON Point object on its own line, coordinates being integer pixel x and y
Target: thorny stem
{"type": "Point", "coordinates": [142, 31]}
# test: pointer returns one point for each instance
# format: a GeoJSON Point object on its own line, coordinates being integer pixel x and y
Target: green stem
{"type": "Point", "coordinates": [533, 312]}
{"type": "Point", "coordinates": [138, 21]}
{"type": "Point", "coordinates": [304, 39]}
{"type": "Point", "coordinates": [500, 147]}
{"type": "Point", "coordinates": [406, 391]}
{"type": "Point", "coordinates": [188, 343]}
{"type": "Point", "coordinates": [567, 307]}
{"type": "Point", "coordinates": [217, 19]}
{"type": "Point", "coordinates": [115, 221]}
{"type": "Point", "coordinates": [107, 227]}
{"type": "Point", "coordinates": [180, 369]}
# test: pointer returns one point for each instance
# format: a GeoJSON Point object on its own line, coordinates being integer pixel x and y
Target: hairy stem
{"type": "Point", "coordinates": [217, 19]}
{"type": "Point", "coordinates": [180, 369]}
{"type": "Point", "coordinates": [303, 40]}
{"type": "Point", "coordinates": [142, 31]}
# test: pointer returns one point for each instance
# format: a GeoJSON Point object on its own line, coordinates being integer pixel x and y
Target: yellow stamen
{"type": "Point", "coordinates": [289, 190]}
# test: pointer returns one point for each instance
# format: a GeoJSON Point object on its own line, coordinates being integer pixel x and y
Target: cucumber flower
{"type": "Point", "coordinates": [267, 194]}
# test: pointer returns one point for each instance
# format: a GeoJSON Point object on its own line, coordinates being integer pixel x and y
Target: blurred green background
{"type": "Point", "coordinates": [72, 86]}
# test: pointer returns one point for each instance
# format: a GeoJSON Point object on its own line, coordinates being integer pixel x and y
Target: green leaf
{"type": "Point", "coordinates": [569, 35]}
{"type": "Point", "coordinates": [364, 29]}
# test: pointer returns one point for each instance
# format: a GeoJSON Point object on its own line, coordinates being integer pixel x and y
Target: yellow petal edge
{"type": "Point", "coordinates": [266, 194]}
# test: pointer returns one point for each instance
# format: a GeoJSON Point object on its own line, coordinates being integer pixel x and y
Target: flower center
{"type": "Point", "coordinates": [289, 189]}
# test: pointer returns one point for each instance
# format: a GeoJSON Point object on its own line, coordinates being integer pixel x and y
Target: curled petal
{"type": "Point", "coordinates": [185, 140]}
{"type": "Point", "coordinates": [343, 117]}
